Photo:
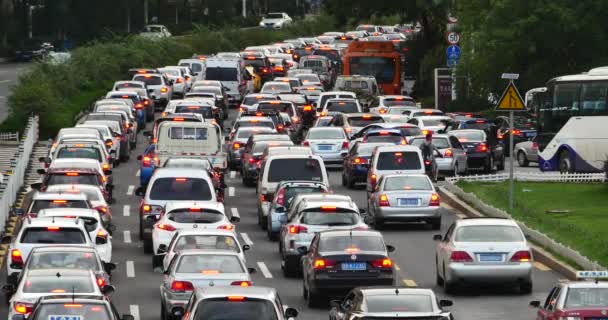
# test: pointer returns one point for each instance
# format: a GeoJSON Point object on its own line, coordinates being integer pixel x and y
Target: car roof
{"type": "Point", "coordinates": [61, 222]}
{"type": "Point", "coordinates": [200, 204]}
{"type": "Point", "coordinates": [257, 292]}
{"type": "Point", "coordinates": [74, 163]}
{"type": "Point", "coordinates": [397, 148]}
{"type": "Point", "coordinates": [58, 212]}
{"type": "Point", "coordinates": [361, 114]}
{"type": "Point", "coordinates": [302, 183]}
{"type": "Point", "coordinates": [58, 195]}
{"type": "Point", "coordinates": [250, 118]}
{"type": "Point", "coordinates": [180, 172]}
{"type": "Point", "coordinates": [69, 247]}
{"type": "Point", "coordinates": [349, 232]}
{"type": "Point", "coordinates": [79, 170]}
{"type": "Point", "coordinates": [53, 272]}
{"type": "Point", "coordinates": [198, 252]}
{"type": "Point", "coordinates": [390, 290]}
{"type": "Point", "coordinates": [210, 232]}
{"type": "Point", "coordinates": [486, 222]}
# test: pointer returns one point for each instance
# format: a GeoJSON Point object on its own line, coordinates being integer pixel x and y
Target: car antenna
{"type": "Point", "coordinates": [73, 298]}
{"type": "Point", "coordinates": [396, 291]}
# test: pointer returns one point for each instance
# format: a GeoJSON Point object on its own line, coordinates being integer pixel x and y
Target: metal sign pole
{"type": "Point", "coordinates": [511, 182]}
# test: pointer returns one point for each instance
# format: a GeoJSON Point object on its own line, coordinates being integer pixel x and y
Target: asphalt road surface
{"type": "Point", "coordinates": [9, 74]}
{"type": "Point", "coordinates": [138, 285]}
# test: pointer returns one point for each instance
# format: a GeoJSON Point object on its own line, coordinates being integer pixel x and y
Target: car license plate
{"type": "Point", "coordinates": [324, 148]}
{"type": "Point", "coordinates": [490, 257]}
{"type": "Point", "coordinates": [408, 202]}
{"type": "Point", "coordinates": [354, 266]}
{"type": "Point", "coordinates": [532, 134]}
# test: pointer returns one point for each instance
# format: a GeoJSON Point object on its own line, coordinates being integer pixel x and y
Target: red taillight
{"type": "Point", "coordinates": [16, 257]}
{"type": "Point", "coordinates": [101, 282]}
{"type": "Point", "coordinates": [481, 148]}
{"type": "Point", "coordinates": [109, 143]}
{"type": "Point", "coordinates": [252, 160]}
{"type": "Point", "coordinates": [535, 145]}
{"type": "Point", "coordinates": [163, 89]}
{"type": "Point", "coordinates": [306, 143]}
{"type": "Point", "coordinates": [23, 307]}
{"type": "Point", "coordinates": [382, 263]}
{"type": "Point", "coordinates": [102, 209]}
{"type": "Point", "coordinates": [265, 70]}
{"type": "Point", "coordinates": [139, 106]}
{"type": "Point", "coordinates": [179, 80]}
{"type": "Point", "coordinates": [307, 108]}
{"type": "Point", "coordinates": [360, 161]}
{"type": "Point", "coordinates": [236, 146]}
{"type": "Point", "coordinates": [241, 283]}
{"type": "Point", "coordinates": [181, 286]}
{"type": "Point", "coordinates": [279, 68]}
{"type": "Point", "coordinates": [448, 153]}
{"type": "Point", "coordinates": [228, 227]}
{"type": "Point", "coordinates": [295, 229]}
{"type": "Point", "coordinates": [460, 256]}
{"type": "Point", "coordinates": [146, 208]}
{"type": "Point", "coordinates": [165, 226]}
{"type": "Point", "coordinates": [345, 145]}
{"type": "Point", "coordinates": [324, 264]}
{"type": "Point", "coordinates": [522, 256]}
{"type": "Point", "coordinates": [281, 197]}
{"type": "Point", "coordinates": [146, 102]}
{"type": "Point", "coordinates": [147, 161]}
{"type": "Point", "coordinates": [280, 127]}
{"type": "Point", "coordinates": [373, 179]}
{"type": "Point", "coordinates": [516, 132]}
{"type": "Point", "coordinates": [383, 201]}
{"type": "Point", "coordinates": [241, 109]}
{"type": "Point", "coordinates": [434, 200]}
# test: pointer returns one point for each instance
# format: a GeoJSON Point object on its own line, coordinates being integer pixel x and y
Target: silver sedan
{"type": "Point", "coordinates": [330, 143]}
{"type": "Point", "coordinates": [526, 152]}
{"type": "Point", "coordinates": [404, 198]}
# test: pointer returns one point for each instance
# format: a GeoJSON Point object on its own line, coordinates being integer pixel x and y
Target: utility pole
{"type": "Point", "coordinates": [145, 12]}
{"type": "Point", "coordinates": [244, 9]}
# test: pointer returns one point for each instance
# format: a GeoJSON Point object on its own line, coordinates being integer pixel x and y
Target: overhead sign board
{"type": "Point", "coordinates": [453, 38]}
{"type": "Point", "coordinates": [511, 100]}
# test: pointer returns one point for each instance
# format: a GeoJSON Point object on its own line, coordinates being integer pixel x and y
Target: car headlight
{"type": "Point", "coordinates": [262, 24]}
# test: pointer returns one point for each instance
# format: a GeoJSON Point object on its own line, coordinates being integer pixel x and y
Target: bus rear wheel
{"type": "Point", "coordinates": [565, 163]}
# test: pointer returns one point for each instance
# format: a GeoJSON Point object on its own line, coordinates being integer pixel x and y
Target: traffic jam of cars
{"type": "Point", "coordinates": [263, 184]}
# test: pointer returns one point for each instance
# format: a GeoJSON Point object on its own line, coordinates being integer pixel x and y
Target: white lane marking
{"type": "Point", "coordinates": [5, 81]}
{"type": "Point", "coordinates": [134, 311]}
{"type": "Point", "coordinates": [138, 173]}
{"type": "Point", "coordinates": [231, 191]}
{"type": "Point", "coordinates": [130, 190]}
{"type": "Point", "coordinates": [235, 212]}
{"type": "Point", "coordinates": [264, 270]}
{"type": "Point", "coordinates": [126, 210]}
{"type": "Point", "coordinates": [130, 269]}
{"type": "Point", "coordinates": [232, 174]}
{"type": "Point", "coordinates": [246, 238]}
{"type": "Point", "coordinates": [127, 236]}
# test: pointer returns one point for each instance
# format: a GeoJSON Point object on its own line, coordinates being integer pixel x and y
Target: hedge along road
{"type": "Point", "coordinates": [9, 74]}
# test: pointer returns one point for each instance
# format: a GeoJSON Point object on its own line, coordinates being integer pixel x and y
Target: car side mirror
{"type": "Point", "coordinates": [441, 131]}
{"type": "Point", "coordinates": [108, 289]}
{"type": "Point", "coordinates": [8, 288]}
{"type": "Point", "coordinates": [150, 90]}
{"type": "Point", "coordinates": [252, 270]}
{"type": "Point", "coordinates": [390, 248]}
{"type": "Point", "coordinates": [36, 186]}
{"type": "Point", "coordinates": [109, 267]}
{"type": "Point", "coordinates": [535, 304]}
{"type": "Point", "coordinates": [291, 313]}
{"type": "Point", "coordinates": [302, 250]}
{"type": "Point", "coordinates": [41, 171]}
{"type": "Point", "coordinates": [18, 317]}
{"type": "Point", "coordinates": [140, 191]}
{"type": "Point", "coordinates": [162, 249]}
{"type": "Point", "coordinates": [437, 237]}
{"type": "Point", "coordinates": [445, 303]}
{"type": "Point", "coordinates": [112, 151]}
{"type": "Point", "coordinates": [235, 219]}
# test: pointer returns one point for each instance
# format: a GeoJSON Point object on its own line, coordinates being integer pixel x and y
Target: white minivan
{"type": "Point", "coordinates": [232, 74]}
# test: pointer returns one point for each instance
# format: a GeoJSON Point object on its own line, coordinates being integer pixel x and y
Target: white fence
{"type": "Point", "coordinates": [533, 177]}
{"type": "Point", "coordinates": [13, 179]}
{"type": "Point", "coordinates": [9, 136]}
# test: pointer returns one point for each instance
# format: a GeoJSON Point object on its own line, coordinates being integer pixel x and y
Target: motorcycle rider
{"type": "Point", "coordinates": [428, 155]}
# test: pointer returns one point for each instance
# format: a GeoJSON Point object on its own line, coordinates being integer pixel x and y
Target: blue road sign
{"type": "Point", "coordinates": [453, 52]}
{"type": "Point", "coordinates": [452, 63]}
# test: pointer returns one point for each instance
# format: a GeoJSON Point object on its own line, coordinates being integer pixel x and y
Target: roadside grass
{"type": "Point", "coordinates": [583, 228]}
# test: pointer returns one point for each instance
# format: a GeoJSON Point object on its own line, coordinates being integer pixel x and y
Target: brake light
{"type": "Point", "coordinates": [163, 89]}
{"type": "Point", "coordinates": [373, 178]}
{"type": "Point", "coordinates": [434, 200]}
{"type": "Point", "coordinates": [535, 145]}
{"type": "Point", "coordinates": [241, 283]}
{"type": "Point", "coordinates": [522, 256]}
{"type": "Point", "coordinates": [516, 132]}
{"type": "Point", "coordinates": [147, 161]}
{"type": "Point", "coordinates": [307, 108]}
{"type": "Point", "coordinates": [382, 263]}
{"type": "Point", "coordinates": [252, 160]}
{"type": "Point", "coordinates": [101, 282]}
{"type": "Point", "coordinates": [109, 143]}
{"type": "Point", "coordinates": [146, 208]}
{"type": "Point", "coordinates": [265, 70]}
{"type": "Point", "coordinates": [345, 145]}
{"type": "Point", "coordinates": [60, 201]}
{"type": "Point", "coordinates": [52, 228]}
{"type": "Point", "coordinates": [179, 80]}
{"type": "Point", "coordinates": [460, 256]}
{"type": "Point", "coordinates": [236, 146]}
{"type": "Point", "coordinates": [481, 148]}
{"type": "Point", "coordinates": [23, 307]}
{"type": "Point", "coordinates": [382, 111]}
{"type": "Point", "coordinates": [279, 68]}
{"type": "Point", "coordinates": [228, 227]}
{"type": "Point", "coordinates": [102, 209]}
{"type": "Point", "coordinates": [280, 127]}
{"type": "Point", "coordinates": [139, 106]}
{"type": "Point", "coordinates": [181, 286]}
{"type": "Point", "coordinates": [281, 197]}
{"type": "Point", "coordinates": [102, 234]}
{"type": "Point", "coordinates": [348, 130]}
{"type": "Point", "coordinates": [306, 143]}
{"type": "Point", "coordinates": [324, 264]}
{"type": "Point", "coordinates": [360, 161]}
{"type": "Point", "coordinates": [383, 201]}
{"type": "Point", "coordinates": [448, 153]}
{"type": "Point", "coordinates": [180, 179]}
{"type": "Point", "coordinates": [235, 298]}
{"type": "Point", "coordinates": [71, 174]}
{"type": "Point", "coordinates": [425, 132]}
{"type": "Point", "coordinates": [165, 226]}
{"type": "Point", "coordinates": [16, 257]}
{"type": "Point", "coordinates": [328, 208]}
{"type": "Point", "coordinates": [295, 229]}
{"type": "Point", "coordinates": [178, 119]}
{"type": "Point", "coordinates": [146, 102]}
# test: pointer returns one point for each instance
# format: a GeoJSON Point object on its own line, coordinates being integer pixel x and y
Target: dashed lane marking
{"type": "Point", "coordinates": [246, 238]}
{"type": "Point", "coordinates": [397, 268]}
{"type": "Point", "coordinates": [5, 81]}
{"type": "Point", "coordinates": [231, 191]}
{"type": "Point", "coordinates": [127, 236]}
{"type": "Point", "coordinates": [232, 174]}
{"type": "Point", "coordinates": [410, 283]}
{"type": "Point", "coordinates": [138, 173]}
{"type": "Point", "coordinates": [264, 270]}
{"type": "Point", "coordinates": [134, 310]}
{"type": "Point", "coordinates": [130, 190]}
{"type": "Point", "coordinates": [541, 266]}
{"type": "Point", "coordinates": [130, 269]}
{"type": "Point", "coordinates": [126, 210]}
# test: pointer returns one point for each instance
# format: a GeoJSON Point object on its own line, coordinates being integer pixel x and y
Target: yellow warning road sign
{"type": "Point", "coordinates": [511, 100]}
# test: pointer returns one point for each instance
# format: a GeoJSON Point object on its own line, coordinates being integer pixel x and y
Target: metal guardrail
{"type": "Point", "coordinates": [13, 178]}
{"type": "Point", "coordinates": [533, 177]}
{"type": "Point", "coordinates": [9, 136]}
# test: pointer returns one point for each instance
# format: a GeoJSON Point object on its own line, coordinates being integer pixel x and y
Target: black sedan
{"type": "Point", "coordinates": [483, 150]}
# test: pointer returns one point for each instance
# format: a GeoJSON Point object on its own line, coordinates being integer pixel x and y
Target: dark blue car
{"type": "Point", "coordinates": [356, 163]}
{"type": "Point", "coordinates": [148, 162]}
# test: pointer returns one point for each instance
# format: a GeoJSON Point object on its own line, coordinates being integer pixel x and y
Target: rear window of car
{"type": "Point", "coordinates": [151, 81]}
{"type": "Point", "coordinates": [295, 98]}
{"type": "Point", "coordinates": [183, 133]}
{"type": "Point", "coordinates": [56, 284]}
{"type": "Point", "coordinates": [180, 189]}
{"type": "Point", "coordinates": [254, 123]}
{"type": "Point", "coordinates": [398, 161]}
{"type": "Point", "coordinates": [407, 183]}
{"type": "Point", "coordinates": [326, 134]}
{"type": "Point", "coordinates": [195, 216]}
{"type": "Point", "coordinates": [280, 107]}
{"type": "Point", "coordinates": [275, 88]}
{"type": "Point", "coordinates": [342, 106]}
{"type": "Point", "coordinates": [432, 122]}
{"type": "Point", "coordinates": [385, 138]}
{"type": "Point", "coordinates": [259, 63]}
{"type": "Point", "coordinates": [206, 111]}
{"type": "Point", "coordinates": [363, 121]}
{"type": "Point", "coordinates": [488, 234]}
{"type": "Point", "coordinates": [79, 152]}
{"type": "Point", "coordinates": [439, 143]}
{"type": "Point", "coordinates": [319, 217]}
{"type": "Point", "coordinates": [209, 264]}
{"type": "Point", "coordinates": [295, 169]}
{"type": "Point", "coordinates": [465, 136]}
{"type": "Point", "coordinates": [358, 243]}
{"type": "Point", "coordinates": [251, 100]}
{"type": "Point", "coordinates": [315, 65]}
{"type": "Point", "coordinates": [38, 205]}
{"type": "Point", "coordinates": [398, 102]}
{"type": "Point", "coordinates": [88, 311]}
{"type": "Point", "coordinates": [305, 78]}
{"type": "Point", "coordinates": [201, 242]}
{"type": "Point", "coordinates": [50, 235]}
{"type": "Point", "coordinates": [68, 259]}
{"type": "Point", "coordinates": [399, 303]}
{"type": "Point", "coordinates": [64, 178]}
{"type": "Point", "coordinates": [411, 131]}
{"type": "Point", "coordinates": [235, 310]}
{"type": "Point", "coordinates": [355, 84]}
{"type": "Point", "coordinates": [245, 133]}
{"type": "Point", "coordinates": [259, 147]}
{"type": "Point", "coordinates": [128, 85]}
{"type": "Point", "coordinates": [291, 192]}
{"type": "Point", "coordinates": [427, 113]}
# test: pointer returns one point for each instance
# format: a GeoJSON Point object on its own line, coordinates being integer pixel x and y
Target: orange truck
{"type": "Point", "coordinates": [375, 58]}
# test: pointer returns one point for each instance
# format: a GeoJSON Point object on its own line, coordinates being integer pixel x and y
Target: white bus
{"type": "Point", "coordinates": [534, 99]}
{"type": "Point", "coordinates": [573, 123]}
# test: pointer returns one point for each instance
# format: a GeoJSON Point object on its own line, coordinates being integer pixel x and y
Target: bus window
{"type": "Point", "coordinates": [593, 97]}
{"type": "Point", "coordinates": [566, 98]}
{"type": "Point", "coordinates": [383, 69]}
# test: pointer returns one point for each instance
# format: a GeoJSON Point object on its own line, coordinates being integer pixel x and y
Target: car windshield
{"type": "Point", "coordinates": [176, 189]}
{"type": "Point", "coordinates": [57, 311]}
{"type": "Point", "coordinates": [128, 85]}
{"type": "Point", "coordinates": [295, 98]}
{"type": "Point", "coordinates": [58, 284]}
{"type": "Point", "coordinates": [295, 169]}
{"type": "Point", "coordinates": [432, 122]}
{"type": "Point", "coordinates": [307, 78]}
{"type": "Point", "coordinates": [342, 106]}
{"type": "Point", "coordinates": [439, 143]}
{"type": "Point", "coordinates": [201, 242]}
{"type": "Point", "coordinates": [209, 264]}
{"type": "Point", "coordinates": [399, 303]}
{"type": "Point", "coordinates": [407, 183]}
{"type": "Point", "coordinates": [149, 80]}
{"type": "Point", "coordinates": [67, 178]}
{"type": "Point", "coordinates": [251, 100]}
{"type": "Point", "coordinates": [382, 68]}
{"type": "Point", "coordinates": [384, 138]}
{"type": "Point", "coordinates": [225, 309]}
{"type": "Point", "coordinates": [478, 124]}
{"type": "Point", "coordinates": [205, 111]}
{"type": "Point", "coordinates": [363, 121]}
{"type": "Point", "coordinates": [79, 152]}
{"type": "Point", "coordinates": [354, 243]}
{"type": "Point", "coordinates": [329, 217]}
{"type": "Point", "coordinates": [255, 62]}
{"type": "Point", "coordinates": [38, 205]}
{"type": "Point", "coordinates": [488, 234]}
{"type": "Point", "coordinates": [221, 74]}
{"type": "Point", "coordinates": [406, 160]}
{"type": "Point", "coordinates": [259, 147]}
{"type": "Point", "coordinates": [394, 110]}
{"type": "Point", "coordinates": [195, 215]}
{"type": "Point", "coordinates": [315, 65]}
{"type": "Point", "coordinates": [578, 298]}
{"type": "Point", "coordinates": [326, 134]}
{"type": "Point", "coordinates": [465, 136]}
{"type": "Point", "coordinates": [52, 235]}
{"type": "Point", "coordinates": [274, 16]}
{"type": "Point", "coordinates": [291, 192]}
{"type": "Point", "coordinates": [280, 107]}
{"type": "Point", "coordinates": [245, 133]}
{"type": "Point", "coordinates": [254, 123]}
{"type": "Point", "coordinates": [171, 72]}
{"type": "Point", "coordinates": [68, 259]}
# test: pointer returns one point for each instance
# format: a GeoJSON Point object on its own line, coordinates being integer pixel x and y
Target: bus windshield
{"type": "Point", "coordinates": [383, 69]}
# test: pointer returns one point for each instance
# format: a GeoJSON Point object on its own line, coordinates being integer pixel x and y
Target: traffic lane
{"type": "Point", "coordinates": [9, 74]}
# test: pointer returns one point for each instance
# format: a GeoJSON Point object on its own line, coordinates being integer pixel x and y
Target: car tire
{"type": "Point", "coordinates": [350, 183]}
{"type": "Point", "coordinates": [378, 223]}
{"type": "Point", "coordinates": [264, 222]}
{"type": "Point", "coordinates": [522, 160]}
{"type": "Point", "coordinates": [489, 167]}
{"type": "Point", "coordinates": [163, 311]}
{"type": "Point", "coordinates": [141, 230]}
{"type": "Point", "coordinates": [565, 163]}
{"type": "Point", "coordinates": [312, 298]}
{"type": "Point", "coordinates": [525, 287]}
{"type": "Point", "coordinates": [455, 171]}
{"type": "Point", "coordinates": [438, 278]}
{"type": "Point", "coordinates": [435, 223]}
{"type": "Point", "coordinates": [148, 248]}
{"type": "Point", "coordinates": [501, 166]}
{"type": "Point", "coordinates": [157, 261]}
{"type": "Point", "coordinates": [288, 269]}
{"type": "Point", "coordinates": [272, 236]}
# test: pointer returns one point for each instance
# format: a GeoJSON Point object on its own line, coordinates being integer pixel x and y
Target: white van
{"type": "Point", "coordinates": [231, 72]}
{"type": "Point", "coordinates": [196, 66]}
{"type": "Point", "coordinates": [287, 167]}
{"type": "Point", "coordinates": [393, 160]}
{"type": "Point", "coordinates": [191, 139]}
